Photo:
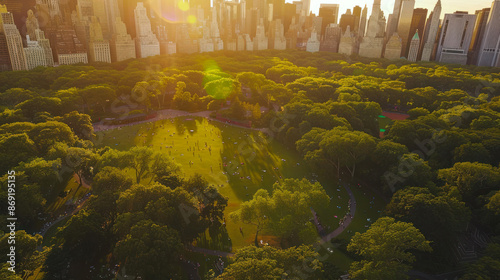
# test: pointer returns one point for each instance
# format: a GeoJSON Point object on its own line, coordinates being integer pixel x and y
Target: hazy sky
{"type": "Point", "coordinates": [449, 6]}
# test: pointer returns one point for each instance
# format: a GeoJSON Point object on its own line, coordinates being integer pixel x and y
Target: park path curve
{"type": "Point", "coordinates": [78, 207]}
{"type": "Point", "coordinates": [347, 220]}
{"type": "Point", "coordinates": [210, 252]}
{"type": "Point", "coordinates": [161, 115]}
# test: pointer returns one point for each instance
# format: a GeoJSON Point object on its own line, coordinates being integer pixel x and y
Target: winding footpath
{"type": "Point", "coordinates": [347, 220]}
{"type": "Point", "coordinates": [78, 207]}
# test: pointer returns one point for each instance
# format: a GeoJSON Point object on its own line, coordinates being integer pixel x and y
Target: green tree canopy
{"type": "Point", "coordinates": [386, 250]}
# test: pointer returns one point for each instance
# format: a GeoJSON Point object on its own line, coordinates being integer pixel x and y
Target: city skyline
{"type": "Point", "coordinates": [91, 34]}
{"type": "Point", "coordinates": [449, 6]}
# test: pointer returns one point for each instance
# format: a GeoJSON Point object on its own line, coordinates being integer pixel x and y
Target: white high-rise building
{"type": "Point", "coordinates": [373, 43]}
{"type": "Point", "coordinates": [215, 32]}
{"type": "Point", "coordinates": [430, 36]}
{"type": "Point", "coordinates": [146, 42]}
{"type": "Point", "coordinates": [306, 7]}
{"type": "Point", "coordinates": [260, 42]}
{"type": "Point", "coordinates": [277, 40]}
{"type": "Point", "coordinates": [85, 10]}
{"type": "Point", "coordinates": [45, 44]}
{"type": "Point", "coordinates": [313, 42]}
{"type": "Point", "coordinates": [122, 44]}
{"type": "Point", "coordinates": [393, 47]}
{"type": "Point", "coordinates": [489, 54]}
{"type": "Point", "coordinates": [347, 42]}
{"type": "Point", "coordinates": [35, 54]}
{"type": "Point", "coordinates": [14, 40]}
{"type": "Point", "coordinates": [206, 43]}
{"type": "Point", "coordinates": [376, 22]}
{"type": "Point", "coordinates": [456, 35]}
{"type": "Point", "coordinates": [52, 5]}
{"type": "Point", "coordinates": [99, 49]}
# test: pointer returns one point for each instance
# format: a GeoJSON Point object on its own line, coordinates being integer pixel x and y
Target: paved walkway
{"type": "Point", "coordinates": [170, 114]}
{"type": "Point", "coordinates": [211, 252]}
{"type": "Point", "coordinates": [347, 220]}
{"type": "Point", "coordinates": [79, 207]}
{"type": "Point", "coordinates": [161, 115]}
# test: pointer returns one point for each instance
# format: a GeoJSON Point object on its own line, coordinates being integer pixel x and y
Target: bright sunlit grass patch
{"type": "Point", "coordinates": [238, 161]}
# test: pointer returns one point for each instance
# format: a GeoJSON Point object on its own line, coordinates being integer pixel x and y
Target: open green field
{"type": "Point", "coordinates": [238, 161]}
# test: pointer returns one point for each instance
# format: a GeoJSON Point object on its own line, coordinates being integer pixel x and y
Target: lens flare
{"type": "Point", "coordinates": [183, 6]}
{"type": "Point", "coordinates": [217, 84]}
{"type": "Point", "coordinates": [192, 19]}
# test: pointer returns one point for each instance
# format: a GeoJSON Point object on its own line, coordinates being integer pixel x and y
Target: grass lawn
{"type": "Point", "coordinates": [239, 162]}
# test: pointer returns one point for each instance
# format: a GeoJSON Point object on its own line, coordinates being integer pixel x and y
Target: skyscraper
{"type": "Point", "coordinates": [418, 23]}
{"type": "Point", "coordinates": [68, 47]}
{"type": "Point", "coordinates": [356, 11]}
{"type": "Point", "coordinates": [146, 42]}
{"type": "Point", "coordinates": [306, 7]}
{"type": "Point", "coordinates": [393, 47]}
{"type": "Point", "coordinates": [34, 53]}
{"type": "Point", "coordinates": [35, 42]}
{"type": "Point", "coordinates": [13, 39]}
{"type": "Point", "coordinates": [362, 23]}
{"type": "Point", "coordinates": [404, 25]}
{"type": "Point", "coordinates": [4, 54]}
{"type": "Point", "coordinates": [430, 35]}
{"type": "Point", "coordinates": [215, 32]}
{"type": "Point", "coordinates": [260, 42]}
{"type": "Point", "coordinates": [313, 42]}
{"type": "Point", "coordinates": [277, 39]}
{"type": "Point", "coordinates": [414, 46]}
{"type": "Point", "coordinates": [122, 44]}
{"type": "Point", "coordinates": [278, 9]}
{"type": "Point", "coordinates": [85, 10]}
{"type": "Point", "coordinates": [393, 20]}
{"type": "Point", "coordinates": [347, 43]}
{"type": "Point", "coordinates": [478, 35]}
{"type": "Point", "coordinates": [331, 40]}
{"type": "Point", "coordinates": [45, 44]}
{"type": "Point", "coordinates": [456, 35]}
{"type": "Point", "coordinates": [206, 43]}
{"type": "Point", "coordinates": [372, 44]}
{"type": "Point", "coordinates": [18, 8]}
{"type": "Point", "coordinates": [329, 13]}
{"type": "Point", "coordinates": [289, 14]}
{"type": "Point", "coordinates": [31, 25]}
{"type": "Point", "coordinates": [99, 49]}
{"type": "Point", "coordinates": [376, 23]}
{"type": "Point", "coordinates": [348, 19]}
{"type": "Point", "coordinates": [489, 53]}
{"type": "Point", "coordinates": [112, 12]}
